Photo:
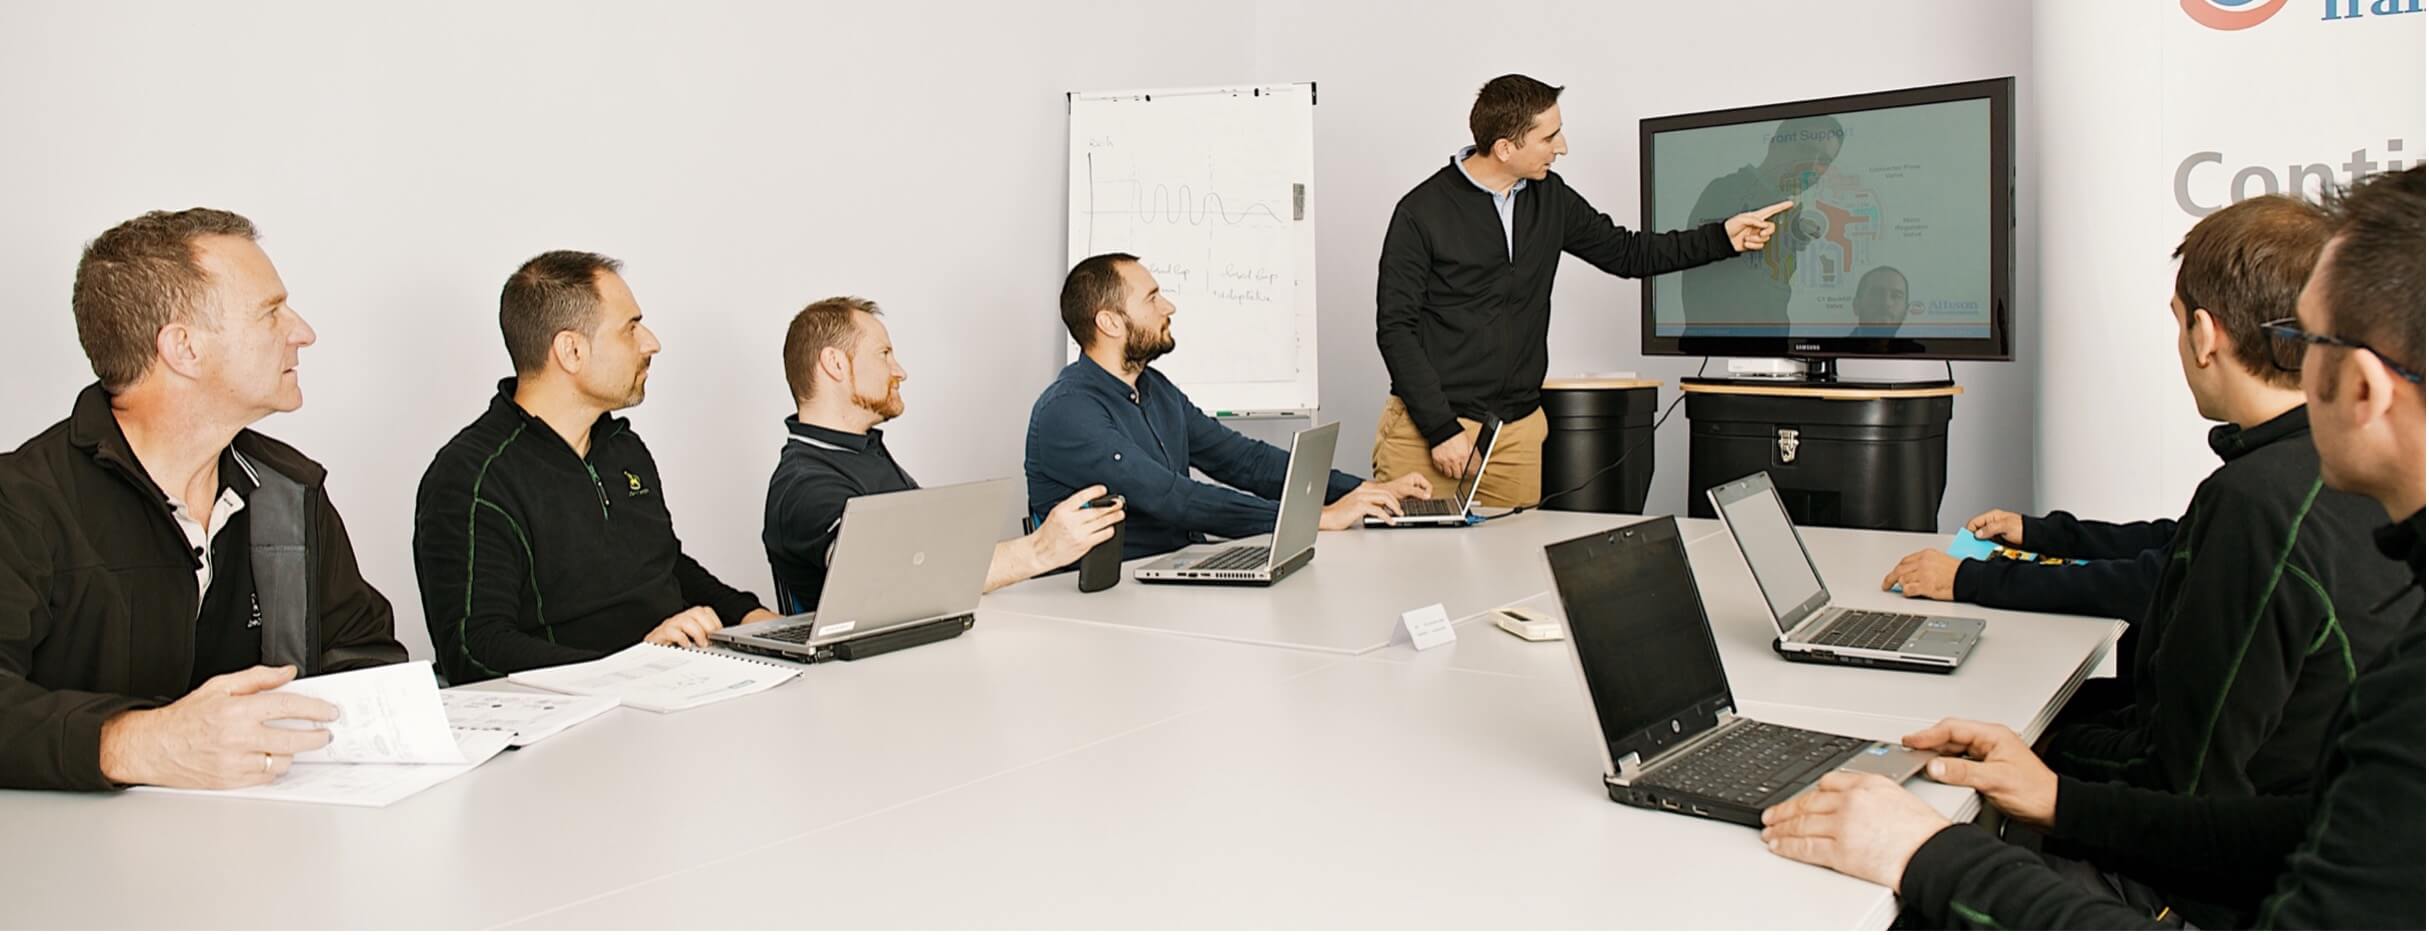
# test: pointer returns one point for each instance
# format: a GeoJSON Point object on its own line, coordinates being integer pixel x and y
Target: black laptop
{"type": "Point", "coordinates": [1671, 736]}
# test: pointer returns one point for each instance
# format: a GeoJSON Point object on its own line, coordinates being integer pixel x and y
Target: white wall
{"type": "Point", "coordinates": [2128, 92]}
{"type": "Point", "coordinates": [745, 158]}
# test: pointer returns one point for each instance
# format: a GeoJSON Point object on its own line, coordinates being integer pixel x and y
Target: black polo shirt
{"type": "Point", "coordinates": [819, 469]}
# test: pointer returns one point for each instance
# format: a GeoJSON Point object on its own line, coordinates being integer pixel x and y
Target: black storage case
{"type": "Point", "coordinates": [1586, 431]}
{"type": "Point", "coordinates": [1859, 463]}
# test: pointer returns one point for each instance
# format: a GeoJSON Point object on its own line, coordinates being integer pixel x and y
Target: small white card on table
{"type": "Point", "coordinates": [1428, 627]}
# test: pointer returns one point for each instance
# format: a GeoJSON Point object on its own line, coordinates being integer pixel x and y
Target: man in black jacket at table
{"type": "Point", "coordinates": [2347, 855]}
{"type": "Point", "coordinates": [541, 532]}
{"type": "Point", "coordinates": [164, 568]}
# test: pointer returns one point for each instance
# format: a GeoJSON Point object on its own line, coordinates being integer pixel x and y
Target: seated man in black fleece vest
{"type": "Point", "coordinates": [2345, 855]}
{"type": "Point", "coordinates": [2265, 603]}
{"type": "Point", "coordinates": [2253, 567]}
{"type": "Point", "coordinates": [2262, 605]}
{"type": "Point", "coordinates": [163, 568]}
{"type": "Point", "coordinates": [541, 535]}
{"type": "Point", "coordinates": [839, 361]}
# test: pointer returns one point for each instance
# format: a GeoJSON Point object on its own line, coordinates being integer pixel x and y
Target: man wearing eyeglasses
{"type": "Point", "coordinates": [2347, 855]}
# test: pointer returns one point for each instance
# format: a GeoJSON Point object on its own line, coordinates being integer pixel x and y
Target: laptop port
{"type": "Point", "coordinates": [1698, 809]}
{"type": "Point", "coordinates": [1668, 804]}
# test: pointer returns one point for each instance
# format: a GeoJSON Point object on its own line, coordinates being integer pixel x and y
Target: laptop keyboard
{"type": "Point", "coordinates": [1865, 629]}
{"type": "Point", "coordinates": [1236, 558]}
{"type": "Point", "coordinates": [797, 633]}
{"type": "Point", "coordinates": [1414, 507]}
{"type": "Point", "coordinates": [1750, 762]}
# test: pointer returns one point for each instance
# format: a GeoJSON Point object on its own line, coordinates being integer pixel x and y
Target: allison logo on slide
{"type": "Point", "coordinates": [2232, 14]}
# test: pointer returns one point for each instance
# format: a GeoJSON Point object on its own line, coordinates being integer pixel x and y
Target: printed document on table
{"type": "Point", "coordinates": [660, 678]}
{"type": "Point", "coordinates": [388, 714]}
{"type": "Point", "coordinates": [529, 716]}
{"type": "Point", "coordinates": [365, 785]}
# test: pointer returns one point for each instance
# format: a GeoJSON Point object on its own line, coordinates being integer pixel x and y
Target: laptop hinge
{"type": "Point", "coordinates": [1629, 766]}
{"type": "Point", "coordinates": [1633, 766]}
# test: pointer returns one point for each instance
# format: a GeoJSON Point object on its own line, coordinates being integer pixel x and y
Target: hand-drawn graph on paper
{"type": "Point", "coordinates": [1210, 190]}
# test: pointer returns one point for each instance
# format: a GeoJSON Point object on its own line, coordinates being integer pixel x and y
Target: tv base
{"type": "Point", "coordinates": [1806, 372]}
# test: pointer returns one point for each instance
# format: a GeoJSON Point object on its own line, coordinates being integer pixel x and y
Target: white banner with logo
{"type": "Point", "coordinates": [2153, 113]}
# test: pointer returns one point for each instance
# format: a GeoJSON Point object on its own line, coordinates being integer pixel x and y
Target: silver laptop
{"type": "Point", "coordinates": [1447, 511]}
{"type": "Point", "coordinates": [1263, 560]}
{"type": "Point", "coordinates": [1810, 629]}
{"type": "Point", "coordinates": [1671, 736]}
{"type": "Point", "coordinates": [901, 560]}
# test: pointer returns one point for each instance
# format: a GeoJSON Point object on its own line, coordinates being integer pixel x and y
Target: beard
{"type": "Point", "coordinates": [886, 408]}
{"type": "Point", "coordinates": [1139, 350]}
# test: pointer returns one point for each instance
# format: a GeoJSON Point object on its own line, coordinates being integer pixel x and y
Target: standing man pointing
{"type": "Point", "coordinates": [1463, 295]}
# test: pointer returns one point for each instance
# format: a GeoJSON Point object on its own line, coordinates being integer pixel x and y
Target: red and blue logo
{"type": "Point", "coordinates": [2231, 15]}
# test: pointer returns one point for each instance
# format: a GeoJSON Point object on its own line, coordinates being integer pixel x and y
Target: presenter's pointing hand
{"type": "Point", "coordinates": [1753, 229]}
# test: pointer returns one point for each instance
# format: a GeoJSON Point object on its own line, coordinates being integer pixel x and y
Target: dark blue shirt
{"type": "Point", "coordinates": [1091, 428]}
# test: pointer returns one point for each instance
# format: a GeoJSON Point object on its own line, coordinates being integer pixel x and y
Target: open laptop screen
{"type": "Point", "coordinates": [1760, 524]}
{"type": "Point", "coordinates": [1638, 628]}
{"type": "Point", "coordinates": [1486, 435]}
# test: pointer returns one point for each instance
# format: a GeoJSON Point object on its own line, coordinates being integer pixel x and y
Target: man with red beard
{"type": "Point", "coordinates": [839, 361]}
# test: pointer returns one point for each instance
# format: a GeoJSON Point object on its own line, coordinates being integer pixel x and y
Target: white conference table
{"type": "Point", "coordinates": [1050, 771]}
{"type": "Point", "coordinates": [1346, 600]}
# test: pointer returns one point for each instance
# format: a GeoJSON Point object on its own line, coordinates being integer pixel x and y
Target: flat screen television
{"type": "Point", "coordinates": [1900, 244]}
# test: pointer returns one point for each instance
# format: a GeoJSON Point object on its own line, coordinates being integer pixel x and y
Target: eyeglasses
{"type": "Point", "coordinates": [2292, 343]}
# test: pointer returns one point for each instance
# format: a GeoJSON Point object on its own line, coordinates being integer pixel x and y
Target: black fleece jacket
{"type": "Point", "coordinates": [531, 555]}
{"type": "Point", "coordinates": [2122, 562]}
{"type": "Point", "coordinates": [1462, 321]}
{"type": "Point", "coordinates": [99, 612]}
{"type": "Point", "coordinates": [2348, 855]}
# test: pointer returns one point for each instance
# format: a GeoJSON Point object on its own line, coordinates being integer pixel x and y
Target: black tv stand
{"type": "Point", "coordinates": [1820, 373]}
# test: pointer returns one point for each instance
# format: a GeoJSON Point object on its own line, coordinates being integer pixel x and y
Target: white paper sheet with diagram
{"type": "Point", "coordinates": [660, 678]}
{"type": "Point", "coordinates": [361, 785]}
{"type": "Point", "coordinates": [527, 716]}
{"type": "Point", "coordinates": [386, 714]}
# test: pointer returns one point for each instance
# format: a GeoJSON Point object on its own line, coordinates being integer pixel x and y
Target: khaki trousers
{"type": "Point", "coordinates": [1514, 479]}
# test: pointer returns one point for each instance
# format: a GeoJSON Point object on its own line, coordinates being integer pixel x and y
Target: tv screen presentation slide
{"type": "Point", "coordinates": [1889, 236]}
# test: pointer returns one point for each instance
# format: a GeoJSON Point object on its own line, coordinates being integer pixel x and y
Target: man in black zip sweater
{"type": "Point", "coordinates": [2262, 610]}
{"type": "Point", "coordinates": [2346, 855]}
{"type": "Point", "coordinates": [1463, 292]}
{"type": "Point", "coordinates": [541, 534]}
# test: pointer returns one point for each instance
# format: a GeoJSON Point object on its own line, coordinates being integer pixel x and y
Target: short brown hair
{"type": "Point", "coordinates": [554, 292]}
{"type": "Point", "coordinates": [2246, 264]}
{"type": "Point", "coordinates": [2373, 289]}
{"type": "Point", "coordinates": [820, 325]}
{"type": "Point", "coordinates": [1094, 284]}
{"type": "Point", "coordinates": [1506, 107]}
{"type": "Point", "coordinates": [139, 277]}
